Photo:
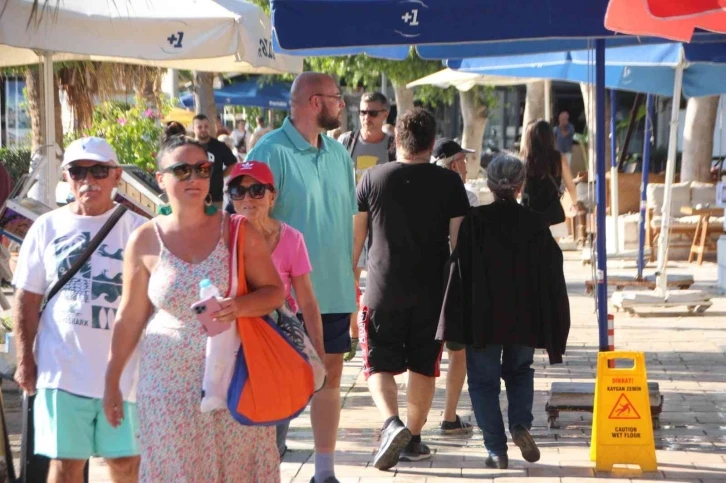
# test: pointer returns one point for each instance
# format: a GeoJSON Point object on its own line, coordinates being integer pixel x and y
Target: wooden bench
{"type": "Point", "coordinates": [580, 397]}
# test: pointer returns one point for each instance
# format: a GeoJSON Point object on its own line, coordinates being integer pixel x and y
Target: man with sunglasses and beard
{"type": "Point", "coordinates": [73, 334]}
{"type": "Point", "coordinates": [219, 154]}
{"type": "Point", "coordinates": [315, 187]}
{"type": "Point", "coordinates": [368, 147]}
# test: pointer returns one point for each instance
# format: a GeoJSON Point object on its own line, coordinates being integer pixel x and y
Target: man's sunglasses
{"type": "Point", "coordinates": [183, 171]}
{"type": "Point", "coordinates": [257, 191]}
{"type": "Point", "coordinates": [98, 171]}
{"type": "Point", "coordinates": [371, 113]}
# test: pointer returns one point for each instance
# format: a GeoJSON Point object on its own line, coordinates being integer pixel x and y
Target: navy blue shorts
{"type": "Point", "coordinates": [336, 332]}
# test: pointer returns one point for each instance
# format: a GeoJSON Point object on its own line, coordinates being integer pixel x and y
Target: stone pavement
{"type": "Point", "coordinates": [685, 354]}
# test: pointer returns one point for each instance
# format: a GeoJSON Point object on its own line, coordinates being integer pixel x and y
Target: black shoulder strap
{"type": "Point", "coordinates": [83, 258]}
{"type": "Point", "coordinates": [351, 141]}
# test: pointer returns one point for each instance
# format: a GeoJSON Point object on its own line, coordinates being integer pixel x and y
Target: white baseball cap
{"type": "Point", "coordinates": [89, 149]}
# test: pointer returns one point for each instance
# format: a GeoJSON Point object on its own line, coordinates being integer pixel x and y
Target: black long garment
{"type": "Point", "coordinates": [506, 283]}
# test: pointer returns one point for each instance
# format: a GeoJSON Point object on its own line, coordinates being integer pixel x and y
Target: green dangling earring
{"type": "Point", "coordinates": [165, 209]}
{"type": "Point", "coordinates": [209, 208]}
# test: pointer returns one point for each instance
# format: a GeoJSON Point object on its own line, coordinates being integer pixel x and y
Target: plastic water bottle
{"type": "Point", "coordinates": [219, 359]}
{"type": "Point", "coordinates": [207, 289]}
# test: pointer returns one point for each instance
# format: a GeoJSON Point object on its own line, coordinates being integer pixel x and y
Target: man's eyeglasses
{"type": "Point", "coordinates": [371, 113]}
{"type": "Point", "coordinates": [98, 171]}
{"type": "Point", "coordinates": [183, 171]}
{"type": "Point", "coordinates": [257, 191]}
{"type": "Point", "coordinates": [339, 97]}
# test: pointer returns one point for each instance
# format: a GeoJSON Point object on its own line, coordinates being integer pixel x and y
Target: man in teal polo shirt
{"type": "Point", "coordinates": [315, 186]}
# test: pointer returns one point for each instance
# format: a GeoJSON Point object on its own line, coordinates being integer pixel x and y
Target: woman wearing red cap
{"type": "Point", "coordinates": [251, 187]}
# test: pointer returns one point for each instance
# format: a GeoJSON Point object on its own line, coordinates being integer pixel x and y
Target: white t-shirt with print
{"type": "Point", "coordinates": [74, 335]}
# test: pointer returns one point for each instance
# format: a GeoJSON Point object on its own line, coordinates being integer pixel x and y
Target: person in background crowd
{"type": "Point", "coordinates": [219, 154]}
{"type": "Point", "coordinates": [221, 129]}
{"type": "Point", "coordinates": [259, 131]}
{"type": "Point", "coordinates": [174, 128]}
{"type": "Point", "coordinates": [412, 210]}
{"type": "Point", "coordinates": [241, 137]}
{"type": "Point", "coordinates": [315, 190]}
{"type": "Point", "coordinates": [251, 187]}
{"type": "Point", "coordinates": [72, 336]}
{"type": "Point", "coordinates": [368, 147]}
{"type": "Point", "coordinates": [564, 136]}
{"type": "Point", "coordinates": [547, 173]}
{"type": "Point", "coordinates": [450, 155]}
{"type": "Point", "coordinates": [166, 259]}
{"type": "Point", "coordinates": [508, 269]}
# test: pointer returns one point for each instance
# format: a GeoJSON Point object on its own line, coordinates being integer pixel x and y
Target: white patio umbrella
{"type": "Point", "coordinates": [465, 81]}
{"type": "Point", "coordinates": [206, 35]}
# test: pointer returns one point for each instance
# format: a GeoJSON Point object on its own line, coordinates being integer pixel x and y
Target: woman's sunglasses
{"type": "Point", "coordinates": [183, 171]}
{"type": "Point", "coordinates": [98, 171]}
{"type": "Point", "coordinates": [257, 191]}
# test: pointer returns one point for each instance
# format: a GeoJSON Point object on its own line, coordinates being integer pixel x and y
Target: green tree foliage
{"type": "Point", "coordinates": [134, 130]}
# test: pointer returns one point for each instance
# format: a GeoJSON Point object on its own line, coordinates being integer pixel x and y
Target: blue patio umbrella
{"type": "Point", "coordinates": [440, 29]}
{"type": "Point", "coordinates": [275, 95]}
{"type": "Point", "coordinates": [311, 24]}
{"type": "Point", "coordinates": [646, 68]}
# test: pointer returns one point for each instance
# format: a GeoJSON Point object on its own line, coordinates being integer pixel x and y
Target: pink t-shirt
{"type": "Point", "coordinates": [291, 259]}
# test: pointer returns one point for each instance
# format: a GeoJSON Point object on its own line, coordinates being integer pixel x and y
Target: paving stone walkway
{"type": "Point", "coordinates": [685, 354]}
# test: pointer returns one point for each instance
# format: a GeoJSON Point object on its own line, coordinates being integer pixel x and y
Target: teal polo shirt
{"type": "Point", "coordinates": [316, 195]}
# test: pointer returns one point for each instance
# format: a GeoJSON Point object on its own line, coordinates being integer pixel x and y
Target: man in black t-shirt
{"type": "Point", "coordinates": [412, 210]}
{"type": "Point", "coordinates": [219, 154]}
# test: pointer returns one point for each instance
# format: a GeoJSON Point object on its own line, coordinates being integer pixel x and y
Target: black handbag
{"type": "Point", "coordinates": [34, 468]}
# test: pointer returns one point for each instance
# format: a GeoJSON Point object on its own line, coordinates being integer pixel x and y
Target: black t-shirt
{"type": "Point", "coordinates": [222, 157]}
{"type": "Point", "coordinates": [409, 208]}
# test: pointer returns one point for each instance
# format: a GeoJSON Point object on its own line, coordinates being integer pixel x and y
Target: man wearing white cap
{"type": "Point", "coordinates": [63, 352]}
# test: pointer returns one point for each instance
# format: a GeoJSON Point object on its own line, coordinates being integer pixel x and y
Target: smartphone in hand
{"type": "Point", "coordinates": [204, 310]}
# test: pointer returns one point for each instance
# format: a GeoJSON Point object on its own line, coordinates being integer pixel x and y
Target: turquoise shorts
{"type": "Point", "coordinates": [75, 427]}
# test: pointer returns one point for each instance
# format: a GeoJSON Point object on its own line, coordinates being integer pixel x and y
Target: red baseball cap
{"type": "Point", "coordinates": [254, 169]}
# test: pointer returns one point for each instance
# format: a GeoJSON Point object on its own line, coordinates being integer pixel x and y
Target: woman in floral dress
{"type": "Point", "coordinates": [165, 260]}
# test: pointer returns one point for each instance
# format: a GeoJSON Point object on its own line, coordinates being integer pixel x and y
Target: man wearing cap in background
{"type": "Point", "coordinates": [73, 334]}
{"type": "Point", "coordinates": [450, 155]}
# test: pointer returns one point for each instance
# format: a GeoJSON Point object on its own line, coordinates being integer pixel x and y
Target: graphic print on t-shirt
{"type": "Point", "coordinates": [93, 294]}
{"type": "Point", "coordinates": [362, 163]}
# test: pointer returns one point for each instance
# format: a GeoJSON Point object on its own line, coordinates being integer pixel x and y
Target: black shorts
{"type": "Point", "coordinates": [396, 340]}
{"type": "Point", "coordinates": [336, 332]}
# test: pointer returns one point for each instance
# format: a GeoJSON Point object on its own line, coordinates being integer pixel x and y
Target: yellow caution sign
{"type": "Point", "coordinates": [622, 430]}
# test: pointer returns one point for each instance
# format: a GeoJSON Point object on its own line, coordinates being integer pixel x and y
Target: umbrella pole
{"type": "Point", "coordinates": [662, 275]}
{"type": "Point", "coordinates": [600, 197]}
{"type": "Point", "coordinates": [644, 184]}
{"type": "Point", "coordinates": [49, 175]}
{"type": "Point", "coordinates": [614, 199]}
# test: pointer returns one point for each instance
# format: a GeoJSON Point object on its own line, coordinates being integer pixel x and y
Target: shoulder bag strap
{"type": "Point", "coordinates": [352, 142]}
{"type": "Point", "coordinates": [83, 258]}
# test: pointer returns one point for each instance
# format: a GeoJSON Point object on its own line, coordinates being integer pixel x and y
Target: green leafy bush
{"type": "Point", "coordinates": [134, 130]}
{"type": "Point", "coordinates": [16, 161]}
